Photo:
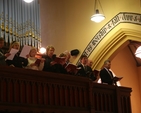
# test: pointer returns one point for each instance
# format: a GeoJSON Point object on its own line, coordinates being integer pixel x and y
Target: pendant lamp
{"type": "Point", "coordinates": [97, 17]}
{"type": "Point", "coordinates": [28, 1]}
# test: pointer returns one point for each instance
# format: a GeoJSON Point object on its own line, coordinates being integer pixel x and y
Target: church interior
{"type": "Point", "coordinates": [67, 25]}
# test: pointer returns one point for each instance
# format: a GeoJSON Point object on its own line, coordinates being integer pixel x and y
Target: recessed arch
{"type": "Point", "coordinates": [114, 42]}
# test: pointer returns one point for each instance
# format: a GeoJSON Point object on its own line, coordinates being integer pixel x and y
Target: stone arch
{"type": "Point", "coordinates": [113, 36]}
{"type": "Point", "coordinates": [114, 42]}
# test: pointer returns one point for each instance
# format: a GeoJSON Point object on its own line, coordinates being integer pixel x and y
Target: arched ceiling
{"type": "Point", "coordinates": [121, 31]}
{"type": "Point", "coordinates": [110, 46]}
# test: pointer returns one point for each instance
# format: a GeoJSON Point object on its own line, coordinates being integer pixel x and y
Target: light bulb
{"type": "Point", "coordinates": [97, 18]}
{"type": "Point", "coordinates": [42, 50]}
{"type": "Point", "coordinates": [28, 1]}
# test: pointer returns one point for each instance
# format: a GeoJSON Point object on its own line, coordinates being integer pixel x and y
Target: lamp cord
{"type": "Point", "coordinates": [101, 6]}
{"type": "Point", "coordinates": [140, 3]}
{"type": "Point", "coordinates": [95, 5]}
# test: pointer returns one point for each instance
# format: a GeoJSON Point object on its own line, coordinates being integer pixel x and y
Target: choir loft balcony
{"type": "Point", "coordinates": [29, 91]}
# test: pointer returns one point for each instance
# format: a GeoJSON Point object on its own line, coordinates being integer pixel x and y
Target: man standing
{"type": "Point", "coordinates": [84, 69]}
{"type": "Point", "coordinates": [105, 74]}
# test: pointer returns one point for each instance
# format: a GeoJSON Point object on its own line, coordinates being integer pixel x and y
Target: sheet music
{"type": "Point", "coordinates": [12, 52]}
{"type": "Point", "coordinates": [25, 51]}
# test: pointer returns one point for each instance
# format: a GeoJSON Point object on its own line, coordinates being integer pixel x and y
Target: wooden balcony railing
{"type": "Point", "coordinates": [29, 91]}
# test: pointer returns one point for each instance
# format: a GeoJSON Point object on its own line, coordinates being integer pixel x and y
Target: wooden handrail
{"type": "Point", "coordinates": [24, 90]}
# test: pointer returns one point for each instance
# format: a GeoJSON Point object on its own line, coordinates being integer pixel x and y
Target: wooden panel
{"type": "Point", "coordinates": [23, 90]}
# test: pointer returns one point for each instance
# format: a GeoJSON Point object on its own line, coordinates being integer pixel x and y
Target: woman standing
{"type": "Point", "coordinates": [17, 61]}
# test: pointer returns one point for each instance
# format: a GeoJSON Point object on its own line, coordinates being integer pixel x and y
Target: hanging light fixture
{"type": "Point", "coordinates": [138, 52]}
{"type": "Point", "coordinates": [97, 17]}
{"type": "Point", "coordinates": [28, 1]}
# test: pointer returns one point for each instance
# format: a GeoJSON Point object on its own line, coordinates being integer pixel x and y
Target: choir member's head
{"type": "Point", "coordinates": [90, 63]}
{"type": "Point", "coordinates": [84, 59]}
{"type": "Point", "coordinates": [67, 55]}
{"type": "Point", "coordinates": [50, 50]}
{"type": "Point", "coordinates": [14, 45]}
{"type": "Point", "coordinates": [107, 64]}
{"type": "Point", "coordinates": [33, 52]}
{"type": "Point", "coordinates": [62, 55]}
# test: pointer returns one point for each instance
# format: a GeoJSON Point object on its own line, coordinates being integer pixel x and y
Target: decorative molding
{"type": "Point", "coordinates": [122, 17]}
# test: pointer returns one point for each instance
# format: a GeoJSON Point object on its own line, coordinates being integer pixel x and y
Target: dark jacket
{"type": "Point", "coordinates": [17, 61]}
{"type": "Point", "coordinates": [57, 68]}
{"type": "Point", "coordinates": [106, 77]}
{"type": "Point", "coordinates": [2, 58]}
{"type": "Point", "coordinates": [47, 66]}
{"type": "Point", "coordinates": [87, 72]}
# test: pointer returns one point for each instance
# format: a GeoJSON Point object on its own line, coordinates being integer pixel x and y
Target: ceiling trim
{"type": "Point", "coordinates": [122, 17]}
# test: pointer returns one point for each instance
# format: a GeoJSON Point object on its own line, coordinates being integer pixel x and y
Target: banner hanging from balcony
{"type": "Point", "coordinates": [20, 21]}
